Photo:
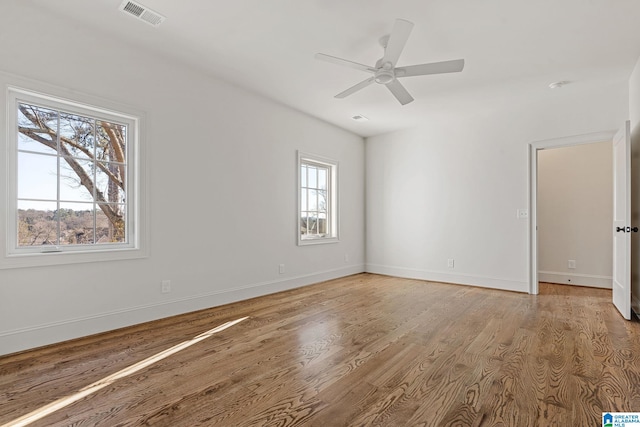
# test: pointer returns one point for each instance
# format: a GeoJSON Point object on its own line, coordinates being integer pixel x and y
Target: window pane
{"type": "Point", "coordinates": [322, 178]}
{"type": "Point", "coordinates": [313, 177]}
{"type": "Point", "coordinates": [110, 182]}
{"type": "Point", "coordinates": [110, 223]}
{"type": "Point", "coordinates": [71, 188]}
{"type": "Point", "coordinates": [37, 123]}
{"type": "Point", "coordinates": [77, 135]}
{"type": "Point", "coordinates": [303, 175]}
{"type": "Point", "coordinates": [37, 223]}
{"type": "Point", "coordinates": [112, 140]}
{"type": "Point", "coordinates": [37, 176]}
{"type": "Point", "coordinates": [322, 224]}
{"type": "Point", "coordinates": [76, 223]}
{"type": "Point", "coordinates": [312, 200]}
{"type": "Point", "coordinates": [303, 200]}
{"type": "Point", "coordinates": [322, 201]}
{"type": "Point", "coordinates": [312, 224]}
{"type": "Point", "coordinates": [27, 143]}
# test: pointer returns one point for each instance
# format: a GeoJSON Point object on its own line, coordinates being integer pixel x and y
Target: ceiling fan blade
{"type": "Point", "coordinates": [355, 88]}
{"type": "Point", "coordinates": [399, 92]}
{"type": "Point", "coordinates": [433, 68]}
{"type": "Point", "coordinates": [340, 61]}
{"type": "Point", "coordinates": [397, 40]}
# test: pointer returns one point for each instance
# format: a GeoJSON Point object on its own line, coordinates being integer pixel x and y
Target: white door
{"type": "Point", "coordinates": [622, 221]}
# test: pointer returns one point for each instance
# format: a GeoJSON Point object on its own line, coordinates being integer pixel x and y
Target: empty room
{"type": "Point", "coordinates": [319, 213]}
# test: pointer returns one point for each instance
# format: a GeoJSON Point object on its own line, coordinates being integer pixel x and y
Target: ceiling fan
{"type": "Point", "coordinates": [385, 71]}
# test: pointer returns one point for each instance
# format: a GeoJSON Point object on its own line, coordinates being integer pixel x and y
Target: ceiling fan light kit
{"type": "Point", "coordinates": [384, 76]}
{"type": "Point", "coordinates": [385, 71]}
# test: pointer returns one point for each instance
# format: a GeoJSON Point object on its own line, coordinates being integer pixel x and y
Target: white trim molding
{"type": "Point", "coordinates": [515, 285]}
{"type": "Point", "coordinates": [532, 158]}
{"type": "Point", "coordinates": [13, 341]}
{"type": "Point", "coordinates": [589, 280]}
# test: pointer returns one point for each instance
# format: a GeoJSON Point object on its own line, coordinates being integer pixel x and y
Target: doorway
{"type": "Point", "coordinates": [534, 149]}
{"type": "Point", "coordinates": [574, 214]}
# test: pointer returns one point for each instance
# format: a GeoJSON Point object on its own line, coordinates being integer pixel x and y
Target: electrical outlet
{"type": "Point", "coordinates": [450, 263]}
{"type": "Point", "coordinates": [281, 269]}
{"type": "Point", "coordinates": [523, 213]}
{"type": "Point", "coordinates": [166, 286]}
{"type": "Point", "coordinates": [346, 257]}
{"type": "Point", "coordinates": [572, 263]}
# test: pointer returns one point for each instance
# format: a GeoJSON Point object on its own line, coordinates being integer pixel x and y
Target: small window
{"type": "Point", "coordinates": [72, 180]}
{"type": "Point", "coordinates": [317, 200]}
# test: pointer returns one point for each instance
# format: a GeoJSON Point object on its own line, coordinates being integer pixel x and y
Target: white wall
{"type": "Point", "coordinates": [575, 213]}
{"type": "Point", "coordinates": [451, 188]}
{"type": "Point", "coordinates": [218, 157]}
{"type": "Point", "coordinates": [634, 117]}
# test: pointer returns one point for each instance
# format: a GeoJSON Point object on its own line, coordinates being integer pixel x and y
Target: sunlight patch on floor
{"type": "Point", "coordinates": [104, 382]}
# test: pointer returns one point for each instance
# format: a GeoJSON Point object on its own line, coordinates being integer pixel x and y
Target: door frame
{"type": "Point", "coordinates": [534, 147]}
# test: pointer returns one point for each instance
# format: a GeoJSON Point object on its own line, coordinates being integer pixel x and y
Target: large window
{"type": "Point", "coordinates": [317, 200]}
{"type": "Point", "coordinates": [72, 178]}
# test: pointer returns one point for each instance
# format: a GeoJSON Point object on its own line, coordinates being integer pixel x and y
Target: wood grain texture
{"type": "Point", "coordinates": [365, 350]}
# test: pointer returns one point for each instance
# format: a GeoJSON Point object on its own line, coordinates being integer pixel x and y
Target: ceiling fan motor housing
{"type": "Point", "coordinates": [384, 74]}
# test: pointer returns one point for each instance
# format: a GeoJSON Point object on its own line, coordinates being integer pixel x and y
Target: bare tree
{"type": "Point", "coordinates": [84, 141]}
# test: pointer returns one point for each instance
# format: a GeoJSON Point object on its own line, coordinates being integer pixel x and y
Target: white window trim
{"type": "Point", "coordinates": [334, 207]}
{"type": "Point", "coordinates": [137, 247]}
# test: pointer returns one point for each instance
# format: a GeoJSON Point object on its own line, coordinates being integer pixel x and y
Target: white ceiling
{"type": "Point", "coordinates": [513, 49]}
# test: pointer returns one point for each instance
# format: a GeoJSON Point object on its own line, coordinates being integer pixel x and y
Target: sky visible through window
{"type": "Point", "coordinates": [37, 180]}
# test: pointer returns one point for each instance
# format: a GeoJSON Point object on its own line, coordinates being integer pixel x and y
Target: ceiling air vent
{"type": "Point", "coordinates": [142, 12]}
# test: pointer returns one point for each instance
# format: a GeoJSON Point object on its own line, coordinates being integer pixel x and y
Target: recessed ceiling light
{"type": "Point", "coordinates": [360, 118]}
{"type": "Point", "coordinates": [558, 85]}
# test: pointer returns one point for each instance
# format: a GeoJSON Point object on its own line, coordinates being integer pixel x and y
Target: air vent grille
{"type": "Point", "coordinates": [133, 9]}
{"type": "Point", "coordinates": [142, 13]}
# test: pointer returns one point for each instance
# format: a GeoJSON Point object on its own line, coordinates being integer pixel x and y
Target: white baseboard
{"type": "Point", "coordinates": [44, 334]}
{"type": "Point", "coordinates": [457, 278]}
{"type": "Point", "coordinates": [576, 279]}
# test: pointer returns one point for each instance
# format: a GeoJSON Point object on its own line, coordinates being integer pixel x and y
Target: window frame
{"type": "Point", "coordinates": [136, 243]}
{"type": "Point", "coordinates": [332, 235]}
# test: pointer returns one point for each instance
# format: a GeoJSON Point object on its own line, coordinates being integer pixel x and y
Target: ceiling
{"type": "Point", "coordinates": [513, 49]}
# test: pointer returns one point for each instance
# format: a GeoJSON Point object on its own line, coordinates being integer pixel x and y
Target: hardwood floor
{"type": "Point", "coordinates": [363, 350]}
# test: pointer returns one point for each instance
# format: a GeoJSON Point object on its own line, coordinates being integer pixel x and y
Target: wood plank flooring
{"type": "Point", "coordinates": [365, 350]}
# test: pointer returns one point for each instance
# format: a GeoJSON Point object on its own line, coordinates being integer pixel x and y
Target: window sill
{"type": "Point", "coordinates": [318, 241]}
{"type": "Point", "coordinates": [42, 259]}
